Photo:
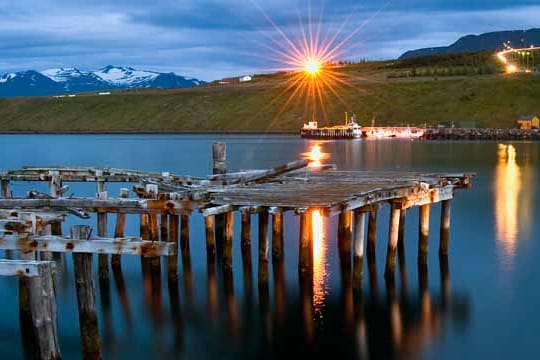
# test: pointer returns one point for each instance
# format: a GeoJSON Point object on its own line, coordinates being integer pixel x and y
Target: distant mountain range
{"type": "Point", "coordinates": [488, 41]}
{"type": "Point", "coordinates": [72, 80]}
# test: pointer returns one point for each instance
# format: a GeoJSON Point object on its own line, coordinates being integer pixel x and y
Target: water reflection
{"type": "Point", "coordinates": [315, 155]}
{"type": "Point", "coordinates": [319, 262]}
{"type": "Point", "coordinates": [507, 190]}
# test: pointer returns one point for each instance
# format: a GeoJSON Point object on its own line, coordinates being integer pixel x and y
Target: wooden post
{"type": "Point", "coordinates": [210, 239]}
{"type": "Point", "coordinates": [423, 234]}
{"type": "Point", "coordinates": [372, 230]}
{"type": "Point", "coordinates": [359, 232]}
{"type": "Point", "coordinates": [263, 247]}
{"type": "Point", "coordinates": [103, 261]}
{"type": "Point", "coordinates": [228, 240]}
{"type": "Point", "coordinates": [5, 189]}
{"type": "Point", "coordinates": [172, 261]}
{"type": "Point", "coordinates": [42, 310]}
{"type": "Point", "coordinates": [401, 233]}
{"type": "Point", "coordinates": [393, 232]}
{"type": "Point", "coordinates": [6, 193]}
{"type": "Point", "coordinates": [245, 241]}
{"type": "Point", "coordinates": [445, 228]}
{"type": "Point", "coordinates": [219, 158]}
{"type": "Point", "coordinates": [345, 234]}
{"type": "Point", "coordinates": [304, 251]}
{"type": "Point", "coordinates": [119, 229]}
{"type": "Point", "coordinates": [86, 298]}
{"type": "Point", "coordinates": [277, 236]}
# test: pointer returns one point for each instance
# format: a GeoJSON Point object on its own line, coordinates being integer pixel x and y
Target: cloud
{"type": "Point", "coordinates": [210, 39]}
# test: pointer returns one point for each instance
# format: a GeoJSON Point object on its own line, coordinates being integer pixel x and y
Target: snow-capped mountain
{"type": "Point", "coordinates": [72, 80]}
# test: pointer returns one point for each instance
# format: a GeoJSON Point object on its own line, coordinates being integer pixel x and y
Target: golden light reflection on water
{"type": "Point", "coordinates": [507, 189]}
{"type": "Point", "coordinates": [319, 262]}
{"type": "Point", "coordinates": [315, 156]}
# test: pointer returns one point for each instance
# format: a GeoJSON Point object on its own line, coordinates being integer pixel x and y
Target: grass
{"type": "Point", "coordinates": [491, 100]}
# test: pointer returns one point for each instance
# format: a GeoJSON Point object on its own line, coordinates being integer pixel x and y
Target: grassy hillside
{"type": "Point", "coordinates": [491, 99]}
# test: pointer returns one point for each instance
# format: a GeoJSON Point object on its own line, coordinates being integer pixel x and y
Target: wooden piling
{"type": "Point", "coordinates": [210, 239]}
{"type": "Point", "coordinates": [41, 303]}
{"type": "Point", "coordinates": [263, 247]}
{"type": "Point", "coordinates": [228, 240]}
{"type": "Point", "coordinates": [219, 157]}
{"type": "Point", "coordinates": [86, 298]}
{"type": "Point", "coordinates": [305, 245]}
{"type": "Point", "coordinates": [358, 257]}
{"type": "Point", "coordinates": [277, 236]}
{"type": "Point", "coordinates": [172, 261]}
{"type": "Point", "coordinates": [245, 241]}
{"type": "Point", "coordinates": [393, 232]}
{"type": "Point", "coordinates": [119, 229]}
{"type": "Point", "coordinates": [345, 235]}
{"type": "Point", "coordinates": [445, 228]}
{"type": "Point", "coordinates": [423, 234]}
{"type": "Point", "coordinates": [5, 189]}
{"type": "Point", "coordinates": [103, 261]}
{"type": "Point", "coordinates": [372, 230]}
{"type": "Point", "coordinates": [401, 233]}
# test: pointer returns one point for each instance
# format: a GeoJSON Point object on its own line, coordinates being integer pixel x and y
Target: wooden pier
{"type": "Point", "coordinates": [31, 224]}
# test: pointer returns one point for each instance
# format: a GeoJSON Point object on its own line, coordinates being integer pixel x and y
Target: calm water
{"type": "Point", "coordinates": [485, 306]}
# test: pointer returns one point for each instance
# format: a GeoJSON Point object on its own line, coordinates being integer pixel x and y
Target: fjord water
{"type": "Point", "coordinates": [483, 304]}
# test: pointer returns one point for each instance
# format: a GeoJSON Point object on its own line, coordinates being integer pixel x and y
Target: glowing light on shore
{"type": "Point", "coordinates": [511, 69]}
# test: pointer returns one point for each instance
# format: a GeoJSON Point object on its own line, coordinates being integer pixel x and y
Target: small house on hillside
{"type": "Point", "coordinates": [245, 78]}
{"type": "Point", "coordinates": [529, 122]}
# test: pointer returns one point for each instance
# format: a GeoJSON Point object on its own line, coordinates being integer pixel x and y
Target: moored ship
{"type": "Point", "coordinates": [351, 130]}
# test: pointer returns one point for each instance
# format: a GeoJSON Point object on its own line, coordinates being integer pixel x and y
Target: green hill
{"type": "Point", "coordinates": [465, 87]}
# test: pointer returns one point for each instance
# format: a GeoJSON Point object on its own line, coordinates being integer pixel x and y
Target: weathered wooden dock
{"type": "Point", "coordinates": [31, 224]}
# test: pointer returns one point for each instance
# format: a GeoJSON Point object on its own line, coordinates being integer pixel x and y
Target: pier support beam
{"type": "Point", "coordinates": [423, 234]}
{"type": "Point", "coordinates": [263, 248]}
{"type": "Point", "coordinates": [119, 229]}
{"type": "Point", "coordinates": [86, 298]}
{"type": "Point", "coordinates": [445, 228]}
{"type": "Point", "coordinates": [103, 261]}
{"type": "Point", "coordinates": [393, 233]}
{"type": "Point", "coordinates": [358, 257]}
{"type": "Point", "coordinates": [210, 239]}
{"type": "Point", "coordinates": [245, 241]}
{"type": "Point", "coordinates": [345, 236]}
{"type": "Point", "coordinates": [305, 248]}
{"type": "Point", "coordinates": [219, 158]}
{"type": "Point", "coordinates": [228, 240]}
{"type": "Point", "coordinates": [372, 230]}
{"type": "Point", "coordinates": [277, 236]}
{"type": "Point", "coordinates": [172, 260]}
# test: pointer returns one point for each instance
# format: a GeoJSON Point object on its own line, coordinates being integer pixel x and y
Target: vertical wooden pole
{"type": "Point", "coordinates": [6, 193]}
{"type": "Point", "coordinates": [228, 240]}
{"type": "Point", "coordinates": [103, 261]}
{"type": "Point", "coordinates": [345, 235]}
{"type": "Point", "coordinates": [359, 233]}
{"type": "Point", "coordinates": [401, 233]}
{"type": "Point", "coordinates": [392, 242]}
{"type": "Point", "coordinates": [305, 250]}
{"type": "Point", "coordinates": [119, 229]}
{"type": "Point", "coordinates": [172, 261]}
{"type": "Point", "coordinates": [372, 230]}
{"type": "Point", "coordinates": [445, 228]}
{"type": "Point", "coordinates": [219, 166]}
{"type": "Point", "coordinates": [43, 311]}
{"type": "Point", "coordinates": [219, 158]}
{"type": "Point", "coordinates": [277, 236]}
{"type": "Point", "coordinates": [263, 247]}
{"type": "Point", "coordinates": [245, 241]}
{"type": "Point", "coordinates": [164, 227]}
{"type": "Point", "coordinates": [210, 239]}
{"type": "Point", "coordinates": [423, 234]}
{"type": "Point", "coordinates": [86, 298]}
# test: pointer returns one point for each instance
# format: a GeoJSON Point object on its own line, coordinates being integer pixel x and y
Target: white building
{"type": "Point", "coordinates": [245, 78]}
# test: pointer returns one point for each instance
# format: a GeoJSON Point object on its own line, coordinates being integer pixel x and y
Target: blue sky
{"type": "Point", "coordinates": [210, 39]}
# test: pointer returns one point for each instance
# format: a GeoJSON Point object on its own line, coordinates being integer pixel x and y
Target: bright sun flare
{"type": "Point", "coordinates": [312, 66]}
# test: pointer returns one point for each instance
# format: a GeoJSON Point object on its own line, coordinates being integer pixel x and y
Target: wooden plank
{"type": "Point", "coordinates": [119, 246]}
{"type": "Point", "coordinates": [24, 268]}
{"type": "Point", "coordinates": [217, 210]}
